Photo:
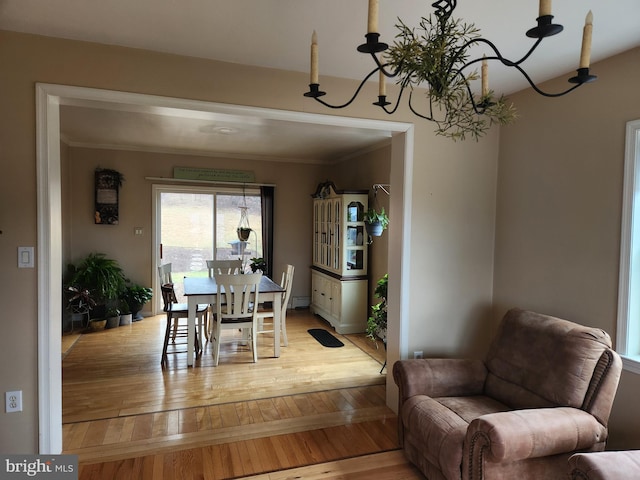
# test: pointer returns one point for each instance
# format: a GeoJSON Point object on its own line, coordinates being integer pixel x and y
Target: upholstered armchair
{"type": "Point", "coordinates": [544, 392]}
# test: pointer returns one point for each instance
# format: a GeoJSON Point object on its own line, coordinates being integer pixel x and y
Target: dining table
{"type": "Point", "coordinates": [204, 290]}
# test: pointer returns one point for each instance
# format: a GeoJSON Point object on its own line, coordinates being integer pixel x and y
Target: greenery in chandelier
{"type": "Point", "coordinates": [436, 55]}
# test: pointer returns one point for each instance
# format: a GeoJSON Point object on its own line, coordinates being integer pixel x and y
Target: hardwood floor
{"type": "Point", "coordinates": [126, 417]}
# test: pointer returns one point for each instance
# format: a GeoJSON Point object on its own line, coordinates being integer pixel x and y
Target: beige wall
{"type": "Point", "coordinates": [451, 197]}
{"type": "Point", "coordinates": [559, 210]}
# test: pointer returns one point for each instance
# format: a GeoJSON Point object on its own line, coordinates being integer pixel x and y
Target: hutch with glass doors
{"type": "Point", "coordinates": [339, 282]}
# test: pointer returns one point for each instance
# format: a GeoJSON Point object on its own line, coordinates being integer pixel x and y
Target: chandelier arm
{"type": "Point", "coordinates": [352, 98]}
{"type": "Point", "coordinates": [431, 118]}
{"type": "Point", "coordinates": [499, 56]}
{"type": "Point", "coordinates": [382, 69]}
{"type": "Point", "coordinates": [403, 85]}
{"type": "Point", "coordinates": [541, 92]}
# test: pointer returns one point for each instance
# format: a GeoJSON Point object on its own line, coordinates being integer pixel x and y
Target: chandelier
{"type": "Point", "coordinates": [437, 57]}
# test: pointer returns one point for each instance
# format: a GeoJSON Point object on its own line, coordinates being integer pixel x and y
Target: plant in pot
{"type": "Point", "coordinates": [113, 317]}
{"type": "Point", "coordinates": [125, 313]}
{"type": "Point", "coordinates": [104, 279]}
{"type": "Point", "coordinates": [376, 221]}
{"type": "Point", "coordinates": [136, 296]}
{"type": "Point", "coordinates": [79, 304]}
{"type": "Point", "coordinates": [377, 322]}
{"type": "Point", "coordinates": [258, 264]}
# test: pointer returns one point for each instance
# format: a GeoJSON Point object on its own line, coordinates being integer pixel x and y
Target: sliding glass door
{"type": "Point", "coordinates": [195, 224]}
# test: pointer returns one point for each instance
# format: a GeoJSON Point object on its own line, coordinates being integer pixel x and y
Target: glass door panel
{"type": "Point", "coordinates": [228, 212]}
{"type": "Point", "coordinates": [194, 225]}
{"type": "Point", "coordinates": [186, 234]}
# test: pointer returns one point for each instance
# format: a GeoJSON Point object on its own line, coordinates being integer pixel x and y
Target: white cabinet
{"type": "Point", "coordinates": [339, 273]}
{"type": "Point", "coordinates": [342, 302]}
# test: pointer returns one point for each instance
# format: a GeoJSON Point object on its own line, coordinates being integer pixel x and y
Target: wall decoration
{"type": "Point", "coordinates": [107, 184]}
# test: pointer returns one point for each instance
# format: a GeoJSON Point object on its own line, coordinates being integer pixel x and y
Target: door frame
{"type": "Point", "coordinates": [49, 97]}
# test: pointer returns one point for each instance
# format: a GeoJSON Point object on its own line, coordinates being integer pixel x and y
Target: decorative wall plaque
{"type": "Point", "coordinates": [108, 184]}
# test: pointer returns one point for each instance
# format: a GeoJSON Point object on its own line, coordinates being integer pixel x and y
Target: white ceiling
{"type": "Point", "coordinates": [276, 34]}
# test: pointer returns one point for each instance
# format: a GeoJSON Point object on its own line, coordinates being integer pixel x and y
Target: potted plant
{"type": "Point", "coordinates": [112, 316]}
{"type": "Point", "coordinates": [258, 264]}
{"type": "Point", "coordinates": [104, 279]}
{"type": "Point", "coordinates": [376, 221]}
{"type": "Point", "coordinates": [377, 322]}
{"type": "Point", "coordinates": [79, 304]}
{"type": "Point", "coordinates": [136, 296]}
{"type": "Point", "coordinates": [125, 313]}
{"type": "Point", "coordinates": [243, 233]}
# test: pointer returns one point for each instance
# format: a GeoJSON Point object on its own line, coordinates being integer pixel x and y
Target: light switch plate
{"type": "Point", "coordinates": [25, 257]}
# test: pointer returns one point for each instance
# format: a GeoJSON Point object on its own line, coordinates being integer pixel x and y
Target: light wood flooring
{"type": "Point", "coordinates": [126, 417]}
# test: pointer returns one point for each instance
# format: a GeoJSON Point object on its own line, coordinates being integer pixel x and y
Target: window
{"type": "Point", "coordinates": [628, 334]}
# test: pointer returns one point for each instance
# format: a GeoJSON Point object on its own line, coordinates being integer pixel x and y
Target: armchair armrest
{"type": "Point", "coordinates": [439, 377]}
{"type": "Point", "coordinates": [539, 432]}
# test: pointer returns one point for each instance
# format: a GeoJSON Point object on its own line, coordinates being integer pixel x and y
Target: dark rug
{"type": "Point", "coordinates": [325, 338]}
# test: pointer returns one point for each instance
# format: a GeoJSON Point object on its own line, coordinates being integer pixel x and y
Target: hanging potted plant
{"type": "Point", "coordinates": [243, 233]}
{"type": "Point", "coordinates": [377, 322]}
{"type": "Point", "coordinates": [376, 221]}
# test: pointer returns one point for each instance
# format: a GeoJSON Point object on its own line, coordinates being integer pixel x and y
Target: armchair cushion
{"type": "Point", "coordinates": [544, 392]}
{"type": "Point", "coordinates": [538, 432]}
{"type": "Point", "coordinates": [623, 465]}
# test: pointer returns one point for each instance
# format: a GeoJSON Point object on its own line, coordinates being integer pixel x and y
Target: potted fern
{"type": "Point", "coordinates": [102, 277]}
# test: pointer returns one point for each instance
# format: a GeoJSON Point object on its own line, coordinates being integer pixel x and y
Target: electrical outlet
{"type": "Point", "coordinates": [13, 401]}
{"type": "Point", "coordinates": [417, 354]}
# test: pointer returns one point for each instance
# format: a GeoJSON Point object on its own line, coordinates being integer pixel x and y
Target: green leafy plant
{"type": "Point", "coordinates": [434, 56]}
{"type": "Point", "coordinates": [258, 264]}
{"type": "Point", "coordinates": [135, 294]}
{"type": "Point", "coordinates": [374, 216]}
{"type": "Point", "coordinates": [101, 276]}
{"type": "Point", "coordinates": [377, 321]}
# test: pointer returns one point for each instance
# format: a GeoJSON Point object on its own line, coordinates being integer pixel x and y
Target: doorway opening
{"type": "Point", "coordinates": [48, 100]}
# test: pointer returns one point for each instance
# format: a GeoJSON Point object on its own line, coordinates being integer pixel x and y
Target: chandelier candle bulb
{"type": "Point", "coordinates": [545, 8]}
{"type": "Point", "coordinates": [382, 89]}
{"type": "Point", "coordinates": [585, 54]}
{"type": "Point", "coordinates": [485, 77]}
{"type": "Point", "coordinates": [372, 23]}
{"type": "Point", "coordinates": [314, 58]}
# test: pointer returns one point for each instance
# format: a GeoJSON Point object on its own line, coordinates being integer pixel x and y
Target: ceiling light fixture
{"type": "Point", "coordinates": [438, 56]}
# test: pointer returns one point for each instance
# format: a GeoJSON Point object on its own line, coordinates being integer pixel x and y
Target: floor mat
{"type": "Point", "coordinates": [325, 338]}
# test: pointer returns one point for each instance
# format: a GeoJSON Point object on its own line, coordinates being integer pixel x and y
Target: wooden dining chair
{"type": "Point", "coordinates": [264, 314]}
{"type": "Point", "coordinates": [224, 266]}
{"type": "Point", "coordinates": [164, 272]}
{"type": "Point", "coordinates": [175, 328]}
{"type": "Point", "coordinates": [235, 295]}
